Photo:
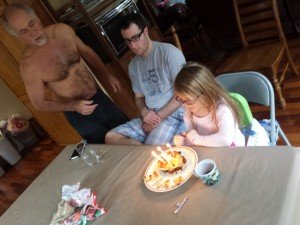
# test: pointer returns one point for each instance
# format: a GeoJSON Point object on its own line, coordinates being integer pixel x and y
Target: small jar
{"type": "Point", "coordinates": [3, 125]}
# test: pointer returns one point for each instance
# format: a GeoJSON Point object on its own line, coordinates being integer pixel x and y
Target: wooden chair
{"type": "Point", "coordinates": [265, 47]}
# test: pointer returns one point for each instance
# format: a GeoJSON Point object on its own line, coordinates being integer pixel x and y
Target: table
{"type": "Point", "coordinates": [259, 185]}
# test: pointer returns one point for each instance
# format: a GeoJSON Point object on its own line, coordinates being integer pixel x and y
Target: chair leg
{"type": "Point", "coordinates": [291, 61]}
{"type": "Point", "coordinates": [282, 135]}
{"type": "Point", "coordinates": [278, 90]}
{"type": "Point", "coordinates": [175, 37]}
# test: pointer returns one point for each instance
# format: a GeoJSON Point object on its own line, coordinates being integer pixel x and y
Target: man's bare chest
{"type": "Point", "coordinates": [56, 61]}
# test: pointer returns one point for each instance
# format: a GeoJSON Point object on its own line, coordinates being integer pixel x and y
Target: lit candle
{"type": "Point", "coordinates": [157, 156]}
{"type": "Point", "coordinates": [163, 154]}
{"type": "Point", "coordinates": [169, 146]}
{"type": "Point", "coordinates": [171, 149]}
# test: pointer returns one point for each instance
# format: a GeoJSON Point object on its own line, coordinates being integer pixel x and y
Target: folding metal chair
{"type": "Point", "coordinates": [256, 88]}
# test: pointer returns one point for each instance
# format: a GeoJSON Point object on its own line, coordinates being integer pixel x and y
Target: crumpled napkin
{"type": "Point", "coordinates": [77, 207]}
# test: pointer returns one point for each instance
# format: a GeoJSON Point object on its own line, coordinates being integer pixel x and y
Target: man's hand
{"type": "Point", "coordinates": [115, 83]}
{"type": "Point", "coordinates": [85, 107]}
{"type": "Point", "coordinates": [150, 117]}
{"type": "Point", "coordinates": [147, 128]}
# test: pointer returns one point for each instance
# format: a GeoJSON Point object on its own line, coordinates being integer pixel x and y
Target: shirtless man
{"type": "Point", "coordinates": [53, 60]}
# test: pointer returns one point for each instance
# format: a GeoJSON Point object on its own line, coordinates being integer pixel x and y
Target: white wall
{"type": "Point", "coordinates": [10, 104]}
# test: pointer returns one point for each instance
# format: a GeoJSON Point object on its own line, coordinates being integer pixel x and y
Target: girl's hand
{"type": "Point", "coordinates": [183, 134]}
{"type": "Point", "coordinates": [179, 140]}
{"type": "Point", "coordinates": [191, 134]}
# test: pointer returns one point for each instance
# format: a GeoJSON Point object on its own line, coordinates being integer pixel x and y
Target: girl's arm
{"type": "Point", "coordinates": [224, 136]}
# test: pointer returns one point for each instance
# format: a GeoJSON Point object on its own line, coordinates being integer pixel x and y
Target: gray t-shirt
{"type": "Point", "coordinates": [154, 76]}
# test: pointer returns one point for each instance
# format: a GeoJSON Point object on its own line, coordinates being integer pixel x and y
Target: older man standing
{"type": "Point", "coordinates": [53, 60]}
{"type": "Point", "coordinates": [152, 73]}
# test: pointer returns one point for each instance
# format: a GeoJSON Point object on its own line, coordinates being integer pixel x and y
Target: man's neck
{"type": "Point", "coordinates": [147, 53]}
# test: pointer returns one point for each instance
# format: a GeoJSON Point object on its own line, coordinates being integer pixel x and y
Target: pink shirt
{"type": "Point", "coordinates": [204, 132]}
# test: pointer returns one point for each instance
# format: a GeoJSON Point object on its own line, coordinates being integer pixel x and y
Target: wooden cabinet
{"type": "Point", "coordinates": [9, 70]}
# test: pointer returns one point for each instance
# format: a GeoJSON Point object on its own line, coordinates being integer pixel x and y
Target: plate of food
{"type": "Point", "coordinates": [166, 175]}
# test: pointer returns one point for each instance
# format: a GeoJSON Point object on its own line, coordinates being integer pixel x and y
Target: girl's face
{"type": "Point", "coordinates": [195, 104]}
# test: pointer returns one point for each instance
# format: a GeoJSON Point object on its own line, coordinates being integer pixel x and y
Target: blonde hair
{"type": "Point", "coordinates": [195, 79]}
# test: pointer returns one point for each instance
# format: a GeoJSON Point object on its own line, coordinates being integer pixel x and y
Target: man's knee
{"type": "Point", "coordinates": [112, 136]}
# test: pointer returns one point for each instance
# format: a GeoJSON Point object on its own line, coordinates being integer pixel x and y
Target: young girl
{"type": "Point", "coordinates": [211, 116]}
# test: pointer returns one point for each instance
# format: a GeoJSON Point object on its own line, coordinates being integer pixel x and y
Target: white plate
{"type": "Point", "coordinates": [158, 181]}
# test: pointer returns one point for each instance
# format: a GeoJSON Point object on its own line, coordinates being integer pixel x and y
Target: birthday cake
{"type": "Point", "coordinates": [175, 163]}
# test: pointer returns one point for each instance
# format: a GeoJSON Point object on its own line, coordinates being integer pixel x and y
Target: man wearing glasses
{"type": "Point", "coordinates": [152, 72]}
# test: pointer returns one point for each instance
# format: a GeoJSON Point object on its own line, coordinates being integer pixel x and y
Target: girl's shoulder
{"type": "Point", "coordinates": [222, 107]}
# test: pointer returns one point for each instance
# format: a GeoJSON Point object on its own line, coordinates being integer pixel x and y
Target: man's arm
{"type": "Point", "coordinates": [174, 60]}
{"type": "Point", "coordinates": [89, 54]}
{"type": "Point", "coordinates": [169, 108]}
{"type": "Point", "coordinates": [149, 116]}
{"type": "Point", "coordinates": [163, 113]}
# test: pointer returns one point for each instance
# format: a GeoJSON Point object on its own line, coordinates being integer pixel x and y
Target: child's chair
{"type": "Point", "coordinates": [255, 134]}
{"type": "Point", "coordinates": [244, 108]}
{"type": "Point", "coordinates": [256, 88]}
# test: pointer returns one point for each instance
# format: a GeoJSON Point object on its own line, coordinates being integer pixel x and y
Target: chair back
{"type": "Point", "coordinates": [243, 108]}
{"type": "Point", "coordinates": [256, 88]}
{"type": "Point", "coordinates": [258, 21]}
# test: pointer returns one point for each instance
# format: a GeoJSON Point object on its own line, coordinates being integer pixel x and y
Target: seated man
{"type": "Point", "coordinates": [152, 72]}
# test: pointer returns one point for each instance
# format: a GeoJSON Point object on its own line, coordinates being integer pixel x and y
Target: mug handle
{"type": "Point", "coordinates": [195, 174]}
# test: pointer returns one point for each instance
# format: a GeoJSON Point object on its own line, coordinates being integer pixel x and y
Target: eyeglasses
{"type": "Point", "coordinates": [187, 102]}
{"type": "Point", "coordinates": [134, 38]}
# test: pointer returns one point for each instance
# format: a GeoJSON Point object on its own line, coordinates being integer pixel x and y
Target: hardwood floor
{"type": "Point", "coordinates": [35, 160]}
{"type": "Point", "coordinates": [18, 177]}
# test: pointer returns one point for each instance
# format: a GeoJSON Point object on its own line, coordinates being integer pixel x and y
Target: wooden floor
{"type": "Point", "coordinates": [35, 160]}
{"type": "Point", "coordinates": [18, 177]}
